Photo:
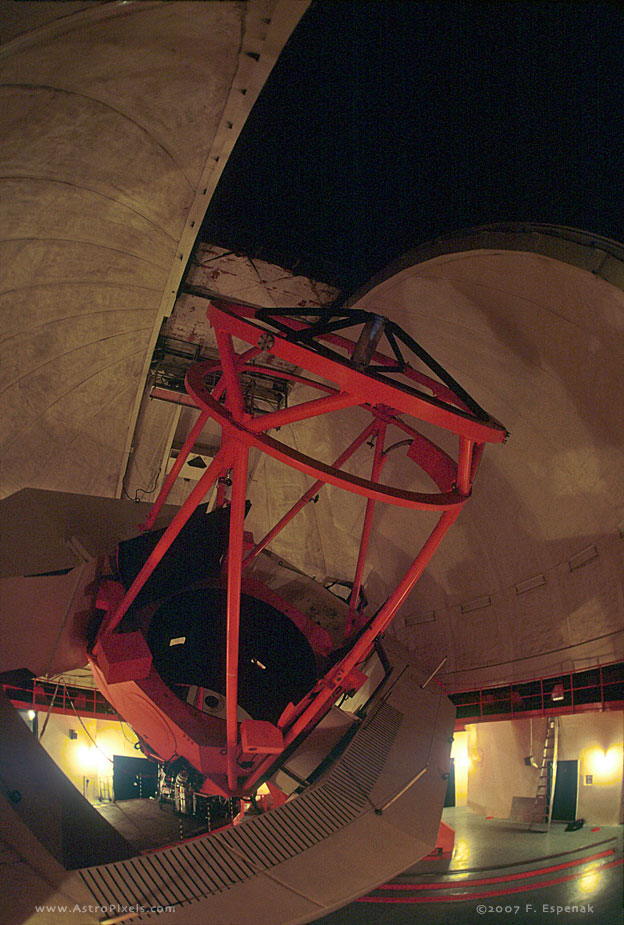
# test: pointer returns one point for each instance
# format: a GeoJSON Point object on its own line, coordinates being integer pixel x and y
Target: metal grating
{"type": "Point", "coordinates": [212, 864]}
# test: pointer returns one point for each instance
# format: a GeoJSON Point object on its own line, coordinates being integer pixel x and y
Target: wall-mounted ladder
{"type": "Point", "coordinates": [541, 813]}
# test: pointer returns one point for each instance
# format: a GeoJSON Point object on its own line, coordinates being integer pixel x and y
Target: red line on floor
{"type": "Point", "coordinates": [537, 872]}
{"type": "Point", "coordinates": [467, 896]}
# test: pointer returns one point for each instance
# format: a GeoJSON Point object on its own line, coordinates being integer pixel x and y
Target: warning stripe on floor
{"type": "Point", "coordinates": [465, 895]}
{"type": "Point", "coordinates": [536, 872]}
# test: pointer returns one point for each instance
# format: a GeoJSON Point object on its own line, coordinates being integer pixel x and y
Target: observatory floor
{"type": "Point", "coordinates": [148, 823]}
{"type": "Point", "coordinates": [531, 878]}
{"type": "Point", "coordinates": [499, 872]}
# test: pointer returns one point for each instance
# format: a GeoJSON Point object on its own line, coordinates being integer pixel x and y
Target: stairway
{"type": "Point", "coordinates": [541, 813]}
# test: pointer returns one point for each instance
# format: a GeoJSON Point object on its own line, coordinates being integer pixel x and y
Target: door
{"type": "Point", "coordinates": [566, 789]}
{"type": "Point", "coordinates": [449, 799]}
{"type": "Point", "coordinates": [133, 778]}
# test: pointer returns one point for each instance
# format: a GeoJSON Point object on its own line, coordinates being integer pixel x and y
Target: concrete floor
{"type": "Point", "coordinates": [148, 823]}
{"type": "Point", "coordinates": [498, 873]}
{"type": "Point", "coordinates": [525, 879]}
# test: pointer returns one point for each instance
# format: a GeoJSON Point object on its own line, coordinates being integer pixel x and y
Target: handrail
{"type": "Point", "coordinates": [509, 703]}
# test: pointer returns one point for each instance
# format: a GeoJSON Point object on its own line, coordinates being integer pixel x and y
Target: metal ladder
{"type": "Point", "coordinates": [541, 814]}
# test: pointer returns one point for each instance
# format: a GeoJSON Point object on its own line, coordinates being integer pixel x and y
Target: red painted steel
{"type": "Point", "coordinates": [439, 466]}
{"type": "Point", "coordinates": [367, 388]}
{"type": "Point", "coordinates": [464, 465]}
{"type": "Point", "coordinates": [90, 702]}
{"type": "Point", "coordinates": [308, 409]}
{"type": "Point", "coordinates": [313, 467]}
{"type": "Point", "coordinates": [235, 558]}
{"type": "Point", "coordinates": [507, 702]}
{"type": "Point", "coordinates": [234, 400]}
{"type": "Point", "coordinates": [378, 461]}
{"type": "Point", "coordinates": [169, 482]}
{"type": "Point", "coordinates": [308, 495]}
{"type": "Point", "coordinates": [344, 385]}
{"type": "Point", "coordinates": [437, 388]}
{"type": "Point", "coordinates": [217, 466]}
{"type": "Point", "coordinates": [189, 443]}
{"type": "Point", "coordinates": [328, 689]}
{"type": "Point", "coordinates": [84, 701]}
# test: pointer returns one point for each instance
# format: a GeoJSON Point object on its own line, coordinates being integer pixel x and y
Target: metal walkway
{"type": "Point", "coordinates": [183, 874]}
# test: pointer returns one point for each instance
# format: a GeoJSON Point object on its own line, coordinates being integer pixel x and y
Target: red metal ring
{"type": "Point", "coordinates": [363, 386]}
{"type": "Point", "coordinates": [319, 470]}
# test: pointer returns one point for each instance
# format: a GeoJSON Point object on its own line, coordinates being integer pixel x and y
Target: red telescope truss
{"type": "Point", "coordinates": [377, 367]}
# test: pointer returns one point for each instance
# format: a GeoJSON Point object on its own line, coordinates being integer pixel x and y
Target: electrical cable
{"type": "Point", "coordinates": [79, 718]}
{"type": "Point", "coordinates": [397, 445]}
{"type": "Point", "coordinates": [147, 491]}
{"type": "Point", "coordinates": [45, 722]}
{"type": "Point", "coordinates": [129, 741]}
{"type": "Point", "coordinates": [64, 620]}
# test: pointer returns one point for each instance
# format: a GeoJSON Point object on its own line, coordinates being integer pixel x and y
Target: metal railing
{"type": "Point", "coordinates": [39, 695]}
{"type": "Point", "coordinates": [592, 689]}
{"type": "Point", "coordinates": [598, 688]}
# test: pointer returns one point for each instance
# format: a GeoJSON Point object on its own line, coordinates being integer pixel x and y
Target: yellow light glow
{"type": "Point", "coordinates": [610, 760]}
{"type": "Point", "coordinates": [85, 758]}
{"type": "Point", "coordinates": [459, 751]}
{"type": "Point", "coordinates": [31, 715]}
{"type": "Point", "coordinates": [104, 765]}
{"type": "Point", "coordinates": [590, 879]}
{"type": "Point", "coordinates": [461, 854]}
{"type": "Point", "coordinates": [604, 766]}
{"type": "Point", "coordinates": [463, 764]}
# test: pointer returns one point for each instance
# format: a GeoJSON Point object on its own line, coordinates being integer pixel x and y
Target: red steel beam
{"type": "Point", "coordinates": [235, 558]}
{"type": "Point", "coordinates": [196, 497]}
{"type": "Point", "coordinates": [329, 687]}
{"type": "Point", "coordinates": [385, 400]}
{"type": "Point", "coordinates": [310, 466]}
{"type": "Point", "coordinates": [438, 388]}
{"type": "Point", "coordinates": [233, 393]}
{"type": "Point", "coordinates": [308, 495]}
{"type": "Point", "coordinates": [368, 388]}
{"type": "Point", "coordinates": [378, 461]}
{"type": "Point", "coordinates": [168, 484]}
{"type": "Point", "coordinates": [180, 398]}
{"type": "Point", "coordinates": [194, 433]}
{"type": "Point", "coordinates": [464, 465]}
{"type": "Point", "coordinates": [173, 397]}
{"type": "Point", "coordinates": [301, 412]}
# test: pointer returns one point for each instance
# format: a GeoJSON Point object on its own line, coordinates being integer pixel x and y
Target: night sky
{"type": "Point", "coordinates": [385, 124]}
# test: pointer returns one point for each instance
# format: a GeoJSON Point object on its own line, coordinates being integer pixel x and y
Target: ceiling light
{"type": "Point", "coordinates": [557, 692]}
